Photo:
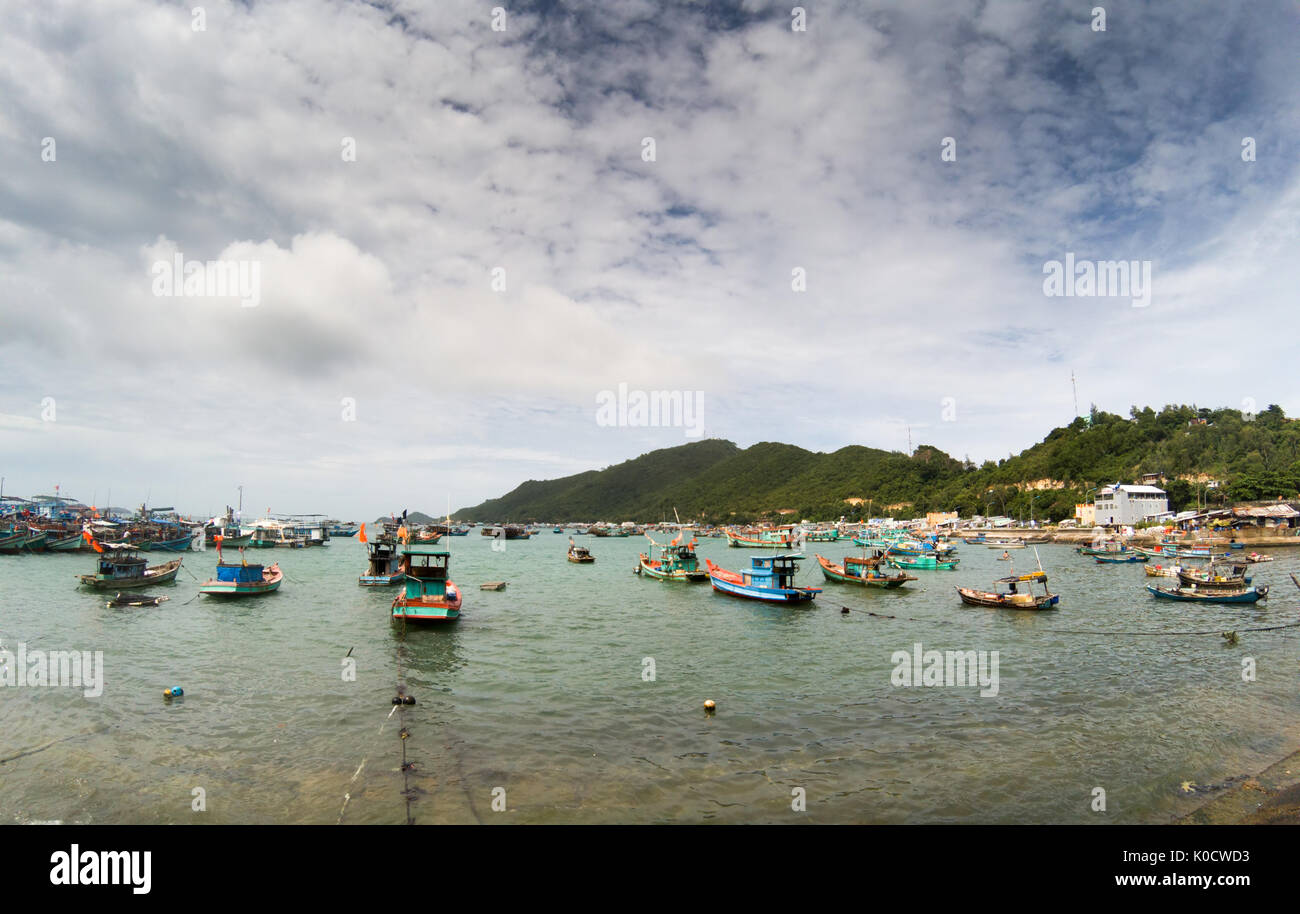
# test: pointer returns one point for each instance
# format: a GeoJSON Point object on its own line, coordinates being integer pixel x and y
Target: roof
{"type": "Point", "coordinates": [1147, 489]}
{"type": "Point", "coordinates": [420, 549]}
{"type": "Point", "coordinates": [1282, 510]}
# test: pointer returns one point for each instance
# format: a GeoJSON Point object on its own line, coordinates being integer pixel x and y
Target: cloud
{"type": "Point", "coordinates": [522, 151]}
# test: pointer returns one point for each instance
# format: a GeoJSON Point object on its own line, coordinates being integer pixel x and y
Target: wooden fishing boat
{"type": "Point", "coordinates": [821, 536]}
{"type": "Point", "coordinates": [21, 539]}
{"type": "Point", "coordinates": [780, 538]}
{"type": "Point", "coordinates": [1113, 548]}
{"type": "Point", "coordinates": [382, 562]}
{"type": "Point", "coordinates": [580, 555]}
{"type": "Point", "coordinates": [1161, 571]}
{"type": "Point", "coordinates": [673, 562]}
{"type": "Point", "coordinates": [60, 543]}
{"type": "Point", "coordinates": [430, 594]}
{"type": "Point", "coordinates": [923, 562]}
{"type": "Point", "coordinates": [136, 599]}
{"type": "Point", "coordinates": [492, 585]}
{"type": "Point", "coordinates": [120, 568]}
{"type": "Point", "coordinates": [770, 578]}
{"type": "Point", "coordinates": [975, 540]}
{"type": "Point", "coordinates": [174, 544]}
{"type": "Point", "coordinates": [1123, 558]}
{"type": "Point", "coordinates": [1005, 546]}
{"type": "Point", "coordinates": [36, 542]}
{"type": "Point", "coordinates": [861, 570]}
{"type": "Point", "coordinates": [1254, 558]}
{"type": "Point", "coordinates": [1213, 578]}
{"type": "Point", "coordinates": [1010, 595]}
{"type": "Point", "coordinates": [506, 531]}
{"type": "Point", "coordinates": [242, 580]}
{"type": "Point", "coordinates": [1195, 594]}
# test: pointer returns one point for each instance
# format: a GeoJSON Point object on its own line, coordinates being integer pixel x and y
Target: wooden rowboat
{"type": "Point", "coordinates": [136, 599]}
{"type": "Point", "coordinates": [1009, 594]}
{"type": "Point", "coordinates": [1196, 595]}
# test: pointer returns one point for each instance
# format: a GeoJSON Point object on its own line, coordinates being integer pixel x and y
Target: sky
{"type": "Point", "coordinates": [467, 230]}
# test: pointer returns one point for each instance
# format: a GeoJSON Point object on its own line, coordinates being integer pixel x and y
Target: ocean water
{"type": "Point", "coordinates": [539, 699]}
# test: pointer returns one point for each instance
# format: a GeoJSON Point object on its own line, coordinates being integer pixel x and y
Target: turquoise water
{"type": "Point", "coordinates": [539, 690]}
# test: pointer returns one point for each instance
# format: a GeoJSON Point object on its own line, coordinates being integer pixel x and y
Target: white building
{"type": "Point", "coordinates": [1129, 504]}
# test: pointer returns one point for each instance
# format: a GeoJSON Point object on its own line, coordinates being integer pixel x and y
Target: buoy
{"type": "Point", "coordinates": [397, 699]}
{"type": "Point", "coordinates": [410, 700]}
{"type": "Point", "coordinates": [177, 691]}
{"type": "Point", "coordinates": [844, 610]}
{"type": "Point", "coordinates": [167, 694]}
{"type": "Point", "coordinates": [709, 706]}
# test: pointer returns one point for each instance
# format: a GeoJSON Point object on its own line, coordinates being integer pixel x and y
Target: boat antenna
{"type": "Point", "coordinates": [1040, 561]}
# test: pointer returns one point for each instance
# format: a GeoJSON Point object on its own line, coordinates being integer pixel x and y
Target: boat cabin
{"type": "Point", "coordinates": [860, 567]}
{"type": "Point", "coordinates": [383, 557]}
{"type": "Point", "coordinates": [775, 571]}
{"type": "Point", "coordinates": [426, 565]}
{"type": "Point", "coordinates": [121, 564]}
{"type": "Point", "coordinates": [239, 574]}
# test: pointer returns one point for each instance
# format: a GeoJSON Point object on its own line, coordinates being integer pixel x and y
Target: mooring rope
{"type": "Point", "coordinates": [404, 732]}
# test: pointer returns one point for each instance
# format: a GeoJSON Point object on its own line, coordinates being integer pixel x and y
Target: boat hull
{"type": "Point", "coordinates": [833, 572]}
{"type": "Point", "coordinates": [271, 578]}
{"type": "Point", "coordinates": [973, 597]}
{"type": "Point", "coordinates": [745, 542]}
{"type": "Point", "coordinates": [923, 562]}
{"type": "Point", "coordinates": [429, 609]}
{"type": "Point", "coordinates": [792, 595]}
{"type": "Point", "coordinates": [681, 575]}
{"type": "Point", "coordinates": [1186, 595]}
{"type": "Point", "coordinates": [381, 580]}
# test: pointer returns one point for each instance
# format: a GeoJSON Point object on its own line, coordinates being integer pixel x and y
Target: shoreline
{"type": "Point", "coordinates": [1247, 538]}
{"type": "Point", "coordinates": [1271, 797]}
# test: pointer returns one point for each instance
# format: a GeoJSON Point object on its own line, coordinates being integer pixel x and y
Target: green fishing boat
{"type": "Point", "coordinates": [673, 562]}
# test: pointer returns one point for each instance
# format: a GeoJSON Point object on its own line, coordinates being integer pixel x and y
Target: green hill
{"type": "Point", "coordinates": [715, 481]}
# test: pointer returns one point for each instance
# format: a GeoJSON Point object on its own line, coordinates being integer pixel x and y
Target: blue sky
{"type": "Point", "coordinates": [521, 150]}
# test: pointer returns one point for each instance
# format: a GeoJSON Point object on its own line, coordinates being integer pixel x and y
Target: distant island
{"type": "Point", "coordinates": [1199, 456]}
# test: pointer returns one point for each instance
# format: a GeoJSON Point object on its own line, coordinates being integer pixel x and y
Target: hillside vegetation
{"type": "Point", "coordinates": [715, 481]}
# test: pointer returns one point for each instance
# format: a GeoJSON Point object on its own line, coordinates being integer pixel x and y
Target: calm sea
{"type": "Point", "coordinates": [538, 700]}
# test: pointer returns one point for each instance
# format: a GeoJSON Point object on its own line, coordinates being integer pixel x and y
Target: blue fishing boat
{"type": "Point", "coordinates": [1197, 595]}
{"type": "Point", "coordinates": [770, 578]}
{"type": "Point", "coordinates": [1120, 558]}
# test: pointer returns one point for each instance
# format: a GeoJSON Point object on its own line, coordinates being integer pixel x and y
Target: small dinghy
{"type": "Point", "coordinates": [136, 599]}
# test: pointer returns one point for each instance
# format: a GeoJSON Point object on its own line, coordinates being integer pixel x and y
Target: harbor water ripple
{"type": "Point", "coordinates": [539, 690]}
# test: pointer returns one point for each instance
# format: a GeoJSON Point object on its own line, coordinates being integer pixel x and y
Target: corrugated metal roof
{"type": "Point", "coordinates": [1282, 510]}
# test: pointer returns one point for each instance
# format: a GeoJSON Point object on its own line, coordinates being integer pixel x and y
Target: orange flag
{"type": "Point", "coordinates": [362, 534]}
